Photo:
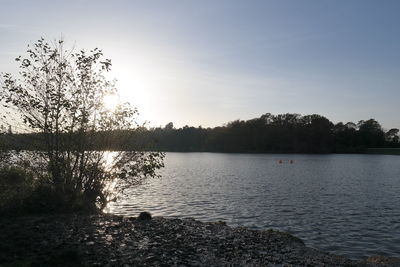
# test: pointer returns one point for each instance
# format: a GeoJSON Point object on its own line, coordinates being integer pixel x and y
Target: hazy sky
{"type": "Point", "coordinates": [210, 62]}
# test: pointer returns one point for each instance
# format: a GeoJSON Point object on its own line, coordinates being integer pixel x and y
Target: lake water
{"type": "Point", "coordinates": [345, 204]}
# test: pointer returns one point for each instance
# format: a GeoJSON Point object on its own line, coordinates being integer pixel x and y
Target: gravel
{"type": "Point", "coordinates": [109, 240]}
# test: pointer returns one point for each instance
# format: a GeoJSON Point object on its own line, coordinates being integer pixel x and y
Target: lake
{"type": "Point", "coordinates": [345, 204]}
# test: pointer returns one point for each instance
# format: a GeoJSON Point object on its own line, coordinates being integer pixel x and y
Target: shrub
{"type": "Point", "coordinates": [16, 187]}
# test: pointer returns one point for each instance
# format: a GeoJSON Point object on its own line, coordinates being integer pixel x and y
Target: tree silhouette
{"type": "Point", "coordinates": [59, 96]}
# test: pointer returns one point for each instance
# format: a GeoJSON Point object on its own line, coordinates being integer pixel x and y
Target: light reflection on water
{"type": "Point", "coordinates": [345, 204]}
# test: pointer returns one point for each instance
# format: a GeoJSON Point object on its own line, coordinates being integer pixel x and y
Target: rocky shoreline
{"type": "Point", "coordinates": [109, 240]}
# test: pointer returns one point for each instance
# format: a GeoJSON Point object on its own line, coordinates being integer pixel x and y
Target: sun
{"type": "Point", "coordinates": [110, 101]}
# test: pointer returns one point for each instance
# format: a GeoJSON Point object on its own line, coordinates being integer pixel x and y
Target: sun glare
{"type": "Point", "coordinates": [110, 102]}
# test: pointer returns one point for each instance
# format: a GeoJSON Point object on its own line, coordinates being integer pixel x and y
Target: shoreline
{"type": "Point", "coordinates": [112, 240]}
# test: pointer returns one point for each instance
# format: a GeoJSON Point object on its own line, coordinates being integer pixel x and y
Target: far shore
{"type": "Point", "coordinates": [384, 151]}
{"type": "Point", "coordinates": [110, 240]}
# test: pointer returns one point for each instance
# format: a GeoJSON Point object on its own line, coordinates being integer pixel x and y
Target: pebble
{"type": "Point", "coordinates": [108, 240]}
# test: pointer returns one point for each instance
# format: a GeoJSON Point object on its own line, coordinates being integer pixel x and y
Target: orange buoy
{"type": "Point", "coordinates": [280, 161]}
{"type": "Point", "coordinates": [291, 161]}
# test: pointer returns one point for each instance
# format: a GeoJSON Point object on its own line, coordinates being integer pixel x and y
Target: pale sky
{"type": "Point", "coordinates": [210, 62]}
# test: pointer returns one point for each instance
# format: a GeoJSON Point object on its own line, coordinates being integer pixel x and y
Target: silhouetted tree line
{"type": "Point", "coordinates": [283, 133]}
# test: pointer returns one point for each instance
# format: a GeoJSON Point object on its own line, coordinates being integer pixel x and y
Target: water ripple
{"type": "Point", "coordinates": [345, 204]}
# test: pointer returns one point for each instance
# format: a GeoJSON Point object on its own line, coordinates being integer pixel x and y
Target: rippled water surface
{"type": "Point", "coordinates": [345, 204]}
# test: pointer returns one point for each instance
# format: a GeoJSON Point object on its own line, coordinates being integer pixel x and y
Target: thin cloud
{"type": "Point", "coordinates": [7, 26]}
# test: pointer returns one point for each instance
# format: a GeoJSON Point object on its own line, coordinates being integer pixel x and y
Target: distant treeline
{"type": "Point", "coordinates": [284, 133]}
